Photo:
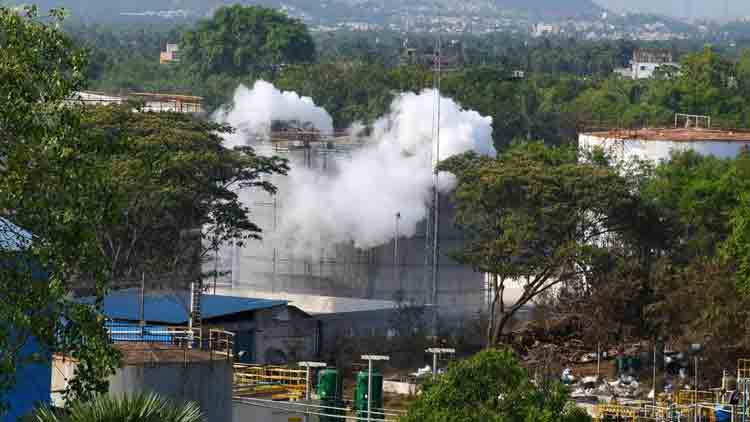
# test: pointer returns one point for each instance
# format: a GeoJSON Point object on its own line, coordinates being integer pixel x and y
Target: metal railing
{"type": "Point", "coordinates": [691, 397]}
{"type": "Point", "coordinates": [616, 412]}
{"type": "Point", "coordinates": [221, 342]}
{"type": "Point", "coordinates": [331, 413]}
{"type": "Point", "coordinates": [279, 382]}
{"type": "Point", "coordinates": [743, 369]}
{"type": "Point", "coordinates": [149, 102]}
{"type": "Point", "coordinates": [218, 343]}
{"type": "Point", "coordinates": [130, 332]}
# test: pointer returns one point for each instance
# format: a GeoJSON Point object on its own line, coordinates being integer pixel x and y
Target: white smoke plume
{"type": "Point", "coordinates": [253, 110]}
{"type": "Point", "coordinates": [392, 173]}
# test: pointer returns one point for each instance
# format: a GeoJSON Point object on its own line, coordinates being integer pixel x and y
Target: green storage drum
{"type": "Point", "coordinates": [360, 395]}
{"type": "Point", "coordinates": [622, 364]}
{"type": "Point", "coordinates": [328, 381]}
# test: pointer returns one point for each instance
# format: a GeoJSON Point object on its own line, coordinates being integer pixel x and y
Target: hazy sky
{"type": "Point", "coordinates": [716, 9]}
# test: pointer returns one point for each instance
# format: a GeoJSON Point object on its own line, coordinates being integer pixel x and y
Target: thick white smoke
{"type": "Point", "coordinates": [392, 173]}
{"type": "Point", "coordinates": [253, 110]}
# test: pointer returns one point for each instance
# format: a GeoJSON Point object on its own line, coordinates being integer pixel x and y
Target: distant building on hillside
{"type": "Point", "coordinates": [644, 63]}
{"type": "Point", "coordinates": [170, 55]}
{"type": "Point", "coordinates": [545, 29]}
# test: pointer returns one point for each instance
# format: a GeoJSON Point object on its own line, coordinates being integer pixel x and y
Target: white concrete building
{"type": "Point", "coordinates": [644, 64]}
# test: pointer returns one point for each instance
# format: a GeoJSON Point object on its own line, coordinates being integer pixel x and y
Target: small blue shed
{"type": "Point", "coordinates": [266, 331]}
{"type": "Point", "coordinates": [33, 381]}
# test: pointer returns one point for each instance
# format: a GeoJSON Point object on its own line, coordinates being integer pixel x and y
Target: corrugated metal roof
{"type": "Point", "coordinates": [173, 307]}
{"type": "Point", "coordinates": [12, 237]}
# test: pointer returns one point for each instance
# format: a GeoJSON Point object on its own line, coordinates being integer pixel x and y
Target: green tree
{"type": "Point", "coordinates": [492, 387]}
{"type": "Point", "coordinates": [350, 92]}
{"type": "Point", "coordinates": [697, 195]}
{"type": "Point", "coordinates": [171, 177]}
{"type": "Point", "coordinates": [704, 84]}
{"type": "Point", "coordinates": [737, 246]}
{"type": "Point", "coordinates": [50, 185]}
{"type": "Point", "coordinates": [240, 40]}
{"type": "Point", "coordinates": [145, 407]}
{"type": "Point", "coordinates": [538, 217]}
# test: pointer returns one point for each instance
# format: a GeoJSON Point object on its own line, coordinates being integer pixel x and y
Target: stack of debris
{"type": "Point", "coordinates": [599, 390]}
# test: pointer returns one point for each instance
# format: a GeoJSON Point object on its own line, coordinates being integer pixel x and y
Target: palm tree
{"type": "Point", "coordinates": [145, 407]}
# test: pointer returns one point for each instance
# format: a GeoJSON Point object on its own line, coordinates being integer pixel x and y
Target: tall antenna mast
{"type": "Point", "coordinates": [727, 17]}
{"type": "Point", "coordinates": [436, 181]}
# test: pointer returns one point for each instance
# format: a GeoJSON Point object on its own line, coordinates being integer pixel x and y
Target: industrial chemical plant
{"type": "Point", "coordinates": [331, 276]}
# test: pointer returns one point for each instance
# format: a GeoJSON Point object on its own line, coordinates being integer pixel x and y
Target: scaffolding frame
{"type": "Point", "coordinates": [692, 121]}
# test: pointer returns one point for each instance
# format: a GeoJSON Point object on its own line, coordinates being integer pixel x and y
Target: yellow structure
{"type": "Point", "coordinates": [278, 382]}
{"type": "Point", "coordinates": [743, 369]}
{"type": "Point", "coordinates": [616, 413]}
{"type": "Point", "coordinates": [691, 397]}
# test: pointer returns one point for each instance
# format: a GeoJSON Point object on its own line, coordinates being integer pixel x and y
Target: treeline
{"type": "Point", "coordinates": [566, 85]}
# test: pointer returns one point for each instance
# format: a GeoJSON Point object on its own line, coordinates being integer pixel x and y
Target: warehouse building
{"type": "Point", "coordinates": [265, 331]}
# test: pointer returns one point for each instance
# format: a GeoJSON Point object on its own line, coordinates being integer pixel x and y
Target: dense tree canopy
{"type": "Point", "coordinates": [241, 40]}
{"type": "Point", "coordinates": [538, 217]}
{"type": "Point", "coordinates": [171, 176]}
{"type": "Point", "coordinates": [50, 185]}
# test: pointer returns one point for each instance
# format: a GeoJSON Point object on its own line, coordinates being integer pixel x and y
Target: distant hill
{"type": "Point", "coordinates": [323, 11]}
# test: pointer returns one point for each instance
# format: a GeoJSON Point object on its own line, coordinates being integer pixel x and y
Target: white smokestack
{"type": "Point", "coordinates": [392, 173]}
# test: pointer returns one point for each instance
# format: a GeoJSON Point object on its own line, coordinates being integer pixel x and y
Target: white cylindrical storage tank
{"type": "Point", "coordinates": [207, 383]}
{"type": "Point", "coordinates": [178, 374]}
{"type": "Point", "coordinates": [277, 265]}
{"type": "Point", "coordinates": [657, 144]}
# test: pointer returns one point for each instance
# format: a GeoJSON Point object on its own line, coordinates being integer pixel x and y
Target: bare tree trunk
{"type": "Point", "coordinates": [505, 318]}
{"type": "Point", "coordinates": [491, 318]}
{"type": "Point", "coordinates": [499, 315]}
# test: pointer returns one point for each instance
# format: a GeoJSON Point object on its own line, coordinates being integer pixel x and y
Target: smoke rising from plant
{"type": "Point", "coordinates": [253, 110]}
{"type": "Point", "coordinates": [391, 173]}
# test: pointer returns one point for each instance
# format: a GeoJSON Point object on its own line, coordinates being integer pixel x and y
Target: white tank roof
{"type": "Point", "coordinates": [658, 144]}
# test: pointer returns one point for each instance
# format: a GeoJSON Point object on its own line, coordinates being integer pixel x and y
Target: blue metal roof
{"type": "Point", "coordinates": [12, 237]}
{"type": "Point", "coordinates": [173, 307]}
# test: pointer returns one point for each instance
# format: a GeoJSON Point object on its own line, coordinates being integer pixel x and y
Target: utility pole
{"type": "Point", "coordinates": [727, 17]}
{"type": "Point", "coordinates": [437, 352]}
{"type": "Point", "coordinates": [370, 359]}
{"type": "Point", "coordinates": [396, 272]}
{"type": "Point", "coordinates": [695, 416]}
{"type": "Point", "coordinates": [143, 302]}
{"type": "Point", "coordinates": [742, 384]}
{"type": "Point", "coordinates": [216, 266]}
{"type": "Point", "coordinates": [436, 182]}
{"type": "Point", "coordinates": [654, 382]}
